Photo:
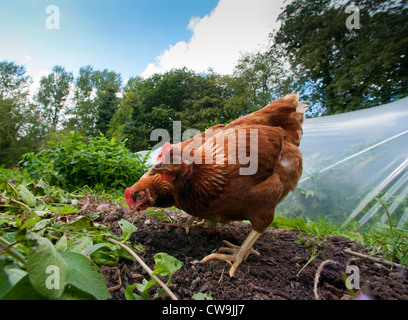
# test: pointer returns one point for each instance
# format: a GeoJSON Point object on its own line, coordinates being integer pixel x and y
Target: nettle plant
{"type": "Point", "coordinates": [98, 162]}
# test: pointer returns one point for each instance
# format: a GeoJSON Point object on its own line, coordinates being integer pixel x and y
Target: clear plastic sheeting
{"type": "Point", "coordinates": [351, 161]}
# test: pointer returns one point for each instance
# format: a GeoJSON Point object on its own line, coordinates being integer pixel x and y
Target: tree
{"type": "Point", "coordinates": [260, 78]}
{"type": "Point", "coordinates": [108, 85]}
{"type": "Point", "coordinates": [177, 95]}
{"type": "Point", "coordinates": [82, 114]}
{"type": "Point", "coordinates": [53, 94]}
{"type": "Point", "coordinates": [20, 126]}
{"type": "Point", "coordinates": [14, 82]}
{"type": "Point", "coordinates": [347, 69]}
{"type": "Point", "coordinates": [96, 100]}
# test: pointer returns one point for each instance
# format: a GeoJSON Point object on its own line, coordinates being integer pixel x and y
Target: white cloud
{"type": "Point", "coordinates": [233, 27]}
{"type": "Point", "coordinates": [27, 57]}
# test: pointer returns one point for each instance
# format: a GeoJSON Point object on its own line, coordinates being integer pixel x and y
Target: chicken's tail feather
{"type": "Point", "coordinates": [289, 113]}
{"type": "Point", "coordinates": [301, 106]}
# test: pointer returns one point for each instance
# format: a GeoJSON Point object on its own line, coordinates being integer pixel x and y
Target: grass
{"type": "Point", "coordinates": [327, 226]}
{"type": "Point", "coordinates": [385, 240]}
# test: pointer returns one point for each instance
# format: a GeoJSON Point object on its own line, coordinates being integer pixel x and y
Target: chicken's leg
{"type": "Point", "coordinates": [238, 254]}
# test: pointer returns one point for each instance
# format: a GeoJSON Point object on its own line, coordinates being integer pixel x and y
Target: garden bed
{"type": "Point", "coordinates": [272, 276]}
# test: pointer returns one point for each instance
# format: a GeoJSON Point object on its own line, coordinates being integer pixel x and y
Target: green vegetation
{"type": "Point", "coordinates": [165, 265]}
{"type": "Point", "coordinates": [35, 234]}
{"type": "Point", "coordinates": [99, 163]}
{"type": "Point", "coordinates": [385, 240]}
{"type": "Point", "coordinates": [43, 225]}
{"type": "Point", "coordinates": [50, 249]}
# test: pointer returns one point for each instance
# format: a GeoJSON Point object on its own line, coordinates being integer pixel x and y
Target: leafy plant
{"type": "Point", "coordinates": [53, 251]}
{"type": "Point", "coordinates": [165, 265]}
{"type": "Point", "coordinates": [42, 272]}
{"type": "Point", "coordinates": [98, 162]}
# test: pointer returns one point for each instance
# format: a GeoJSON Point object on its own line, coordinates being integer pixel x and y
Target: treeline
{"type": "Point", "coordinates": [336, 67]}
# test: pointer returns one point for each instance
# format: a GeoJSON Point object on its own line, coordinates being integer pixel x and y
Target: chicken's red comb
{"type": "Point", "coordinates": [128, 197]}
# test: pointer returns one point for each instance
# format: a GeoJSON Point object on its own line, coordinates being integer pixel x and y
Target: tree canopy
{"type": "Point", "coordinates": [347, 68]}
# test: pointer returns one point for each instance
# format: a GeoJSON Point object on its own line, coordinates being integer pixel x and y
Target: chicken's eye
{"type": "Point", "coordinates": [140, 195]}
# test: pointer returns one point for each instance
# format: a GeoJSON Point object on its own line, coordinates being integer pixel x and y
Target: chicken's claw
{"type": "Point", "coordinates": [186, 225]}
{"type": "Point", "coordinates": [237, 254]}
{"type": "Point", "coordinates": [234, 248]}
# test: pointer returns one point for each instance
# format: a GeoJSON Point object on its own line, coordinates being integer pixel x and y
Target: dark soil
{"type": "Point", "coordinates": [271, 276]}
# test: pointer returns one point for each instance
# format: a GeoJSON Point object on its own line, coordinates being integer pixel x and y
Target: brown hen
{"type": "Point", "coordinates": [240, 173]}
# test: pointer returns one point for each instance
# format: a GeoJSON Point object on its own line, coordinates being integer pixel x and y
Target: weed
{"type": "Point", "coordinates": [315, 254]}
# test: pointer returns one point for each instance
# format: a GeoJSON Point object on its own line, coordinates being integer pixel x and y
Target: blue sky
{"type": "Point", "coordinates": [134, 37]}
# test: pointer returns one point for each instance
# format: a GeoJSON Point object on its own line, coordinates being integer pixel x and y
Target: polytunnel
{"type": "Point", "coordinates": [350, 162]}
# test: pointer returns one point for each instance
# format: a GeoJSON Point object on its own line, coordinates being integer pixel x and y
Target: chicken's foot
{"type": "Point", "coordinates": [186, 225]}
{"type": "Point", "coordinates": [237, 254]}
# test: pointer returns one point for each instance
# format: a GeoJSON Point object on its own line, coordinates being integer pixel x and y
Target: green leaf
{"type": "Point", "coordinates": [62, 244]}
{"type": "Point", "coordinates": [41, 224]}
{"type": "Point", "coordinates": [73, 293]}
{"type": "Point", "coordinates": [127, 229]}
{"type": "Point", "coordinates": [31, 222]}
{"type": "Point", "coordinates": [22, 290]}
{"type": "Point", "coordinates": [130, 295]}
{"type": "Point", "coordinates": [46, 269]}
{"type": "Point", "coordinates": [202, 296]}
{"type": "Point", "coordinates": [143, 288]}
{"type": "Point", "coordinates": [86, 276]}
{"type": "Point", "coordinates": [43, 185]}
{"type": "Point", "coordinates": [165, 264]}
{"type": "Point", "coordinates": [286, 223]}
{"type": "Point", "coordinates": [95, 247]}
{"type": "Point", "coordinates": [68, 209]}
{"type": "Point", "coordinates": [103, 254]}
{"type": "Point", "coordinates": [14, 274]}
{"type": "Point", "coordinates": [79, 223]}
{"type": "Point", "coordinates": [78, 243]}
{"type": "Point", "coordinates": [41, 213]}
{"type": "Point", "coordinates": [5, 283]}
{"type": "Point", "coordinates": [28, 198]}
